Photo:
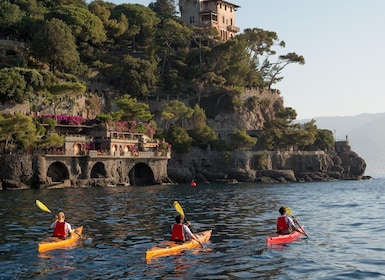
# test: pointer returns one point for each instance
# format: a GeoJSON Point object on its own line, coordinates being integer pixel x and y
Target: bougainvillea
{"type": "Point", "coordinates": [124, 126]}
{"type": "Point", "coordinates": [65, 120]}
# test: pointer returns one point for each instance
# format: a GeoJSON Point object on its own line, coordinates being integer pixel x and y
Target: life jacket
{"type": "Point", "coordinates": [177, 233]}
{"type": "Point", "coordinates": [282, 225]}
{"type": "Point", "coordinates": [60, 229]}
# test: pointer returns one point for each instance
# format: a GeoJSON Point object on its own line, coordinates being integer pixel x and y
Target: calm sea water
{"type": "Point", "coordinates": [344, 220]}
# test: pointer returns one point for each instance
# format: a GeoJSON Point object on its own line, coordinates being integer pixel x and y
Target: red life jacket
{"type": "Point", "coordinates": [60, 229]}
{"type": "Point", "coordinates": [282, 225]}
{"type": "Point", "coordinates": [177, 233]}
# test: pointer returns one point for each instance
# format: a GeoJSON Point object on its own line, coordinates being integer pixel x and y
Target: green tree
{"type": "Point", "coordinates": [142, 25]}
{"type": "Point", "coordinates": [17, 132]}
{"type": "Point", "coordinates": [13, 87]}
{"type": "Point", "coordinates": [324, 139]}
{"type": "Point", "coordinates": [202, 134]}
{"type": "Point", "coordinates": [85, 26]}
{"type": "Point", "coordinates": [260, 46]}
{"type": "Point", "coordinates": [130, 109]}
{"type": "Point", "coordinates": [275, 69]}
{"type": "Point", "coordinates": [307, 134]}
{"type": "Point", "coordinates": [208, 82]}
{"type": "Point", "coordinates": [199, 118]}
{"type": "Point", "coordinates": [231, 61]}
{"type": "Point", "coordinates": [179, 139]}
{"type": "Point", "coordinates": [51, 140]}
{"type": "Point", "coordinates": [10, 17]}
{"type": "Point", "coordinates": [203, 40]}
{"type": "Point", "coordinates": [175, 112]}
{"type": "Point", "coordinates": [55, 45]}
{"type": "Point", "coordinates": [240, 140]}
{"type": "Point", "coordinates": [115, 27]}
{"type": "Point", "coordinates": [203, 137]}
{"type": "Point", "coordinates": [164, 8]}
{"type": "Point", "coordinates": [172, 42]}
{"type": "Point", "coordinates": [139, 76]}
{"type": "Point", "coordinates": [278, 132]}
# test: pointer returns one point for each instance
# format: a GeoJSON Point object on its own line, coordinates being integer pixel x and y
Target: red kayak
{"type": "Point", "coordinates": [283, 238]}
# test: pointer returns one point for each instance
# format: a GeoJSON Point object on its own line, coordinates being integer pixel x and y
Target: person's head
{"type": "Point", "coordinates": [282, 210]}
{"type": "Point", "coordinates": [179, 219]}
{"type": "Point", "coordinates": [61, 216]}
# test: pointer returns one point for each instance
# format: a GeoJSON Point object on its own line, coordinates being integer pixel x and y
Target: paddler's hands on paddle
{"type": "Point", "coordinates": [298, 227]}
{"type": "Point", "coordinates": [196, 239]}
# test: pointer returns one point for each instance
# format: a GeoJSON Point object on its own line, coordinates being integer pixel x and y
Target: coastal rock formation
{"type": "Point", "coordinates": [264, 166]}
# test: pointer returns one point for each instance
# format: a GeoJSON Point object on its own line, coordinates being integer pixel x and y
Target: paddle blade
{"type": "Point", "coordinates": [288, 211]}
{"type": "Point", "coordinates": [178, 208]}
{"type": "Point", "coordinates": [42, 206]}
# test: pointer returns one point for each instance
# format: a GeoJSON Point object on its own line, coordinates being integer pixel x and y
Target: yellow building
{"type": "Point", "coordinates": [210, 13]}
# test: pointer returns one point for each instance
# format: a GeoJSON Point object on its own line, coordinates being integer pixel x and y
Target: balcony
{"type": "Point", "coordinates": [232, 28]}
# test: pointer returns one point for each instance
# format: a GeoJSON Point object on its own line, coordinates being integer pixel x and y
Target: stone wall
{"type": "Point", "coordinates": [26, 171]}
{"type": "Point", "coordinates": [250, 166]}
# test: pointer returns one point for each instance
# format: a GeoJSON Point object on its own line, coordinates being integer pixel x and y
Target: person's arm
{"type": "Point", "coordinates": [189, 234]}
{"type": "Point", "coordinates": [69, 228]}
{"type": "Point", "coordinates": [52, 226]}
{"type": "Point", "coordinates": [296, 228]}
{"type": "Point", "coordinates": [292, 226]}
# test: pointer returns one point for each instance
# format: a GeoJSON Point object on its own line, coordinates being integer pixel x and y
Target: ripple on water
{"type": "Point", "coordinates": [343, 220]}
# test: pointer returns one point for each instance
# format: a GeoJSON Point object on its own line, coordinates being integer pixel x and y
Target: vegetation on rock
{"type": "Point", "coordinates": [137, 56]}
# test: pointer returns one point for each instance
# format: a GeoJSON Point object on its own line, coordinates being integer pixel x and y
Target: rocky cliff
{"type": "Point", "coordinates": [254, 108]}
{"type": "Point", "coordinates": [250, 166]}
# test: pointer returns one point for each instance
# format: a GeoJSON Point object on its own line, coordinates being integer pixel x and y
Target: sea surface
{"type": "Point", "coordinates": [344, 220]}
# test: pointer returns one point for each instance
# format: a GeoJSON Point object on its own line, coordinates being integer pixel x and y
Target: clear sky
{"type": "Point", "coordinates": [343, 42]}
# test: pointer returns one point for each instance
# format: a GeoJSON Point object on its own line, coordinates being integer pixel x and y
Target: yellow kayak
{"type": "Point", "coordinates": [171, 247]}
{"type": "Point", "coordinates": [51, 243]}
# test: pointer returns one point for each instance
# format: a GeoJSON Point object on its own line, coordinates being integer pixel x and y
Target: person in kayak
{"type": "Point", "coordinates": [181, 232]}
{"type": "Point", "coordinates": [60, 227]}
{"type": "Point", "coordinates": [286, 224]}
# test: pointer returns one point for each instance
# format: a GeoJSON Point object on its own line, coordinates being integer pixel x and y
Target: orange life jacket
{"type": "Point", "coordinates": [177, 233]}
{"type": "Point", "coordinates": [60, 229]}
{"type": "Point", "coordinates": [282, 225]}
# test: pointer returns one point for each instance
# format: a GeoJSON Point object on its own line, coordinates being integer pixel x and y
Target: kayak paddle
{"type": "Point", "coordinates": [179, 209]}
{"type": "Point", "coordinates": [288, 211]}
{"type": "Point", "coordinates": [42, 206]}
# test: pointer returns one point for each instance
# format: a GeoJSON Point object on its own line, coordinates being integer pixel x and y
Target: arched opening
{"type": "Point", "coordinates": [98, 170]}
{"type": "Point", "coordinates": [141, 175]}
{"type": "Point", "coordinates": [77, 149]}
{"type": "Point", "coordinates": [58, 172]}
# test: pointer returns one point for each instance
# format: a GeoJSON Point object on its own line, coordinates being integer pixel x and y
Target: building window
{"type": "Point", "coordinates": [206, 18]}
{"type": "Point", "coordinates": [192, 20]}
{"type": "Point", "coordinates": [223, 19]}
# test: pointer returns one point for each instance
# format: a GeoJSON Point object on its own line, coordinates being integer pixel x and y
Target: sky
{"type": "Point", "coordinates": [343, 43]}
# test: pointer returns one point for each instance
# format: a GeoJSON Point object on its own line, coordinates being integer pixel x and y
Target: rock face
{"type": "Point", "coordinates": [263, 166]}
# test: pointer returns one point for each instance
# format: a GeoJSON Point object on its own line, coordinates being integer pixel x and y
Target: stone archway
{"type": "Point", "coordinates": [77, 149]}
{"type": "Point", "coordinates": [58, 172]}
{"type": "Point", "coordinates": [141, 175]}
{"type": "Point", "coordinates": [98, 170]}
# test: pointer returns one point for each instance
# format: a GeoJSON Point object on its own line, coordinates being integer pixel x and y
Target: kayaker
{"type": "Point", "coordinates": [60, 227]}
{"type": "Point", "coordinates": [181, 232]}
{"type": "Point", "coordinates": [286, 224]}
